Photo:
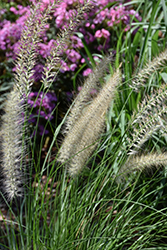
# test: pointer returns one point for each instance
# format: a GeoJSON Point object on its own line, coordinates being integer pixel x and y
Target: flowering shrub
{"type": "Point", "coordinates": [96, 28]}
{"type": "Point", "coordinates": [43, 105]}
{"type": "Point", "coordinates": [11, 31]}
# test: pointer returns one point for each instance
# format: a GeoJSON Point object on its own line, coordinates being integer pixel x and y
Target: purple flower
{"type": "Point", "coordinates": [73, 56]}
{"type": "Point", "coordinates": [98, 34]}
{"type": "Point", "coordinates": [42, 129]}
{"type": "Point", "coordinates": [105, 33]}
{"type": "Point", "coordinates": [64, 67]}
{"type": "Point", "coordinates": [43, 104]}
{"type": "Point", "coordinates": [44, 49]}
{"type": "Point", "coordinates": [83, 60]}
{"type": "Point", "coordinates": [73, 66]}
{"type": "Point", "coordinates": [87, 72]}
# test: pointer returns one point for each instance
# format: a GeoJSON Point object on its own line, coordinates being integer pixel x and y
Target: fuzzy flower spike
{"type": "Point", "coordinates": [81, 139]}
{"type": "Point", "coordinates": [11, 144]}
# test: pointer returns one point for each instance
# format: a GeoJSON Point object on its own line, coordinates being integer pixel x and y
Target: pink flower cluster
{"type": "Point", "coordinates": [10, 32]}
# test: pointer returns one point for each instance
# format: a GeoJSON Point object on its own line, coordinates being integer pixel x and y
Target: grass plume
{"type": "Point", "coordinates": [81, 140]}
{"type": "Point", "coordinates": [144, 162]}
{"type": "Point", "coordinates": [84, 96]}
{"type": "Point", "coordinates": [13, 150]}
{"type": "Point", "coordinates": [53, 62]}
{"type": "Point", "coordinates": [30, 38]}
{"type": "Point", "coordinates": [151, 67]}
{"type": "Point", "coordinates": [148, 119]}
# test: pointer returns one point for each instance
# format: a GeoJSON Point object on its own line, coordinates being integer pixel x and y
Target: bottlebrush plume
{"type": "Point", "coordinates": [84, 96]}
{"type": "Point", "coordinates": [148, 119]}
{"type": "Point", "coordinates": [53, 62]}
{"type": "Point", "coordinates": [82, 139]}
{"type": "Point", "coordinates": [30, 38]}
{"type": "Point", "coordinates": [13, 150]}
{"type": "Point", "coordinates": [150, 68]}
{"type": "Point", "coordinates": [143, 162]}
